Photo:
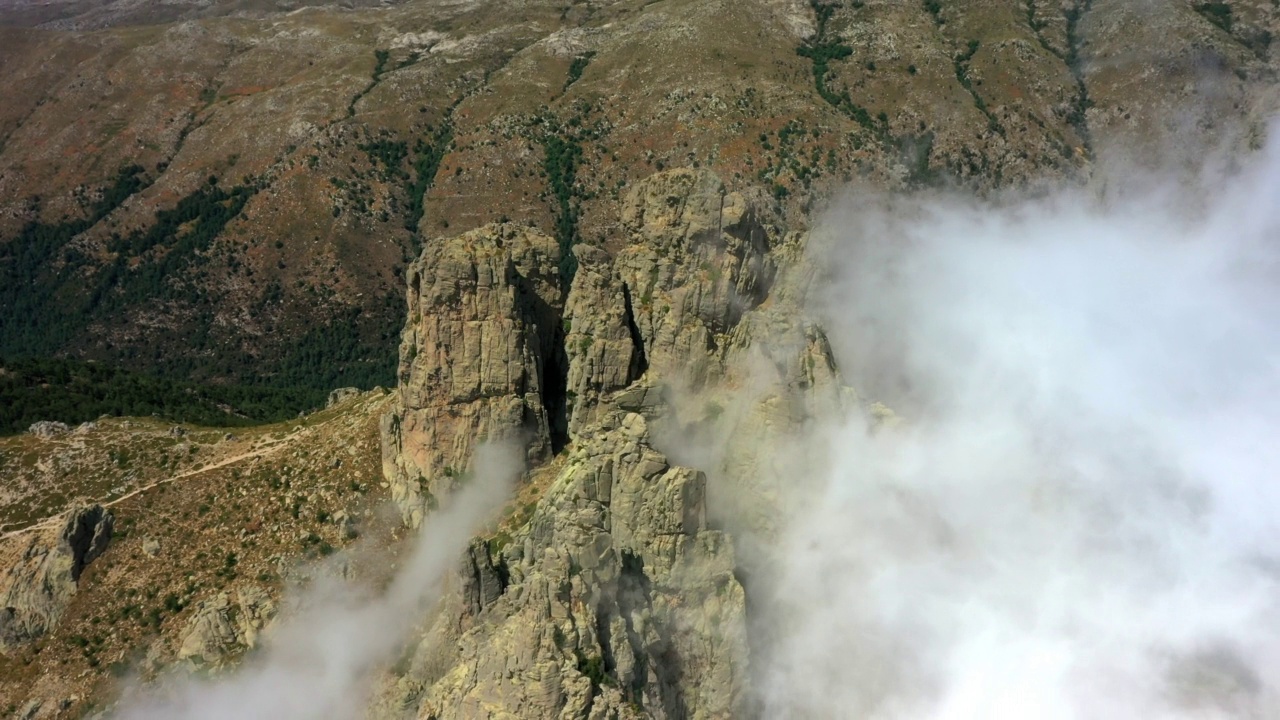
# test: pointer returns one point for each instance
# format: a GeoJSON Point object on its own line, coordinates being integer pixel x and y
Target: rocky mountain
{"type": "Point", "coordinates": [622, 575]}
{"type": "Point", "coordinates": [591, 227]}
{"type": "Point", "coordinates": [235, 192]}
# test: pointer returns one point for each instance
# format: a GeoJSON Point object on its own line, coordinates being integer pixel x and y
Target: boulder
{"type": "Point", "coordinates": [48, 429]}
{"type": "Point", "coordinates": [342, 395]}
{"type": "Point", "coordinates": [221, 628]}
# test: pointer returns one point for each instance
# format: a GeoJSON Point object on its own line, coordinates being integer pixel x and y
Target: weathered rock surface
{"type": "Point", "coordinates": [490, 350]}
{"type": "Point", "coordinates": [48, 429]}
{"type": "Point", "coordinates": [605, 350]}
{"type": "Point", "coordinates": [695, 259]}
{"type": "Point", "coordinates": [221, 628]}
{"type": "Point", "coordinates": [781, 373]}
{"type": "Point", "coordinates": [38, 588]}
{"type": "Point", "coordinates": [612, 597]}
{"type": "Point", "coordinates": [614, 600]}
{"type": "Point", "coordinates": [682, 329]}
{"type": "Point", "coordinates": [478, 359]}
{"type": "Point", "coordinates": [340, 395]}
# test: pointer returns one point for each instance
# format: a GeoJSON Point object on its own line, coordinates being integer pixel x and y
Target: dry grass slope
{"type": "Point", "coordinates": [248, 512]}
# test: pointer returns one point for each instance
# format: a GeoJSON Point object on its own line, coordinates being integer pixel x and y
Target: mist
{"type": "Point", "coordinates": [1077, 515]}
{"type": "Point", "coordinates": [318, 661]}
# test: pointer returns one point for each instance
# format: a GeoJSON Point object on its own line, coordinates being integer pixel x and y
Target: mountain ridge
{"type": "Point", "coordinates": [592, 231]}
{"type": "Point", "coordinates": [442, 118]}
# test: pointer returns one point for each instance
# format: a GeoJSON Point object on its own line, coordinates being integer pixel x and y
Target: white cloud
{"type": "Point", "coordinates": [317, 662]}
{"type": "Point", "coordinates": [1081, 516]}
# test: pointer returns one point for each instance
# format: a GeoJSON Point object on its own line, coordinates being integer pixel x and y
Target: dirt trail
{"type": "Point", "coordinates": [265, 448]}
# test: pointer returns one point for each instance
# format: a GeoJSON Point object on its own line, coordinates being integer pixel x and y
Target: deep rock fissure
{"type": "Point", "coordinates": [639, 360]}
{"type": "Point", "coordinates": [555, 387]}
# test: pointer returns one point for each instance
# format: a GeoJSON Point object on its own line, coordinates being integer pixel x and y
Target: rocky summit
{"type": "Point", "coordinates": [273, 274]}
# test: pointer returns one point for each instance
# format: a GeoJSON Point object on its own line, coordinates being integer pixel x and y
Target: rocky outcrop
{"type": "Point", "coordinates": [614, 595]}
{"type": "Point", "coordinates": [38, 588]}
{"type": "Point", "coordinates": [341, 395]}
{"type": "Point", "coordinates": [605, 350]}
{"type": "Point", "coordinates": [480, 357]}
{"type": "Point", "coordinates": [86, 535]}
{"type": "Point", "coordinates": [614, 600]}
{"type": "Point", "coordinates": [48, 429]}
{"type": "Point", "coordinates": [696, 258]}
{"type": "Point", "coordinates": [221, 628]}
{"type": "Point", "coordinates": [781, 374]}
{"type": "Point", "coordinates": [211, 633]}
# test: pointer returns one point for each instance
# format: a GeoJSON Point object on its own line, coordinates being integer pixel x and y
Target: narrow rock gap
{"type": "Point", "coordinates": [639, 361]}
{"type": "Point", "coordinates": [634, 596]}
{"type": "Point", "coordinates": [608, 662]}
{"type": "Point", "coordinates": [555, 386]}
{"type": "Point", "coordinates": [757, 640]}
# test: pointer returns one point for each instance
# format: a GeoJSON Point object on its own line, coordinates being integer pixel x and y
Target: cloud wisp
{"type": "Point", "coordinates": [1080, 517]}
{"type": "Point", "coordinates": [318, 662]}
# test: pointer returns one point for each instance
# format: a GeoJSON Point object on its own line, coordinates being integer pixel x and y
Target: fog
{"type": "Point", "coordinates": [318, 661]}
{"type": "Point", "coordinates": [1077, 515]}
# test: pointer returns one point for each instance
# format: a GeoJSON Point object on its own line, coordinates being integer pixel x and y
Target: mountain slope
{"type": "Point", "coordinates": [237, 198]}
{"type": "Point", "coordinates": [586, 230]}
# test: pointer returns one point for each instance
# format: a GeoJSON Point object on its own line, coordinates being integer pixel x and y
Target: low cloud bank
{"type": "Point", "coordinates": [318, 662]}
{"type": "Point", "coordinates": [1079, 516]}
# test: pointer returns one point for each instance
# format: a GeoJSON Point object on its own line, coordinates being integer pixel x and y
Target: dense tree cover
{"type": "Point", "coordinates": [51, 294]}
{"type": "Point", "coordinates": [913, 150]}
{"type": "Point", "coordinates": [39, 273]}
{"type": "Point", "coordinates": [50, 291]}
{"type": "Point", "coordinates": [562, 153]}
{"type": "Point", "coordinates": [353, 349]}
{"type": "Point", "coordinates": [426, 163]}
{"type": "Point", "coordinates": [183, 233]}
{"type": "Point", "coordinates": [821, 51]}
{"type": "Point", "coordinates": [961, 63]}
{"type": "Point", "coordinates": [380, 58]}
{"type": "Point", "coordinates": [356, 348]}
{"type": "Point", "coordinates": [74, 391]}
{"type": "Point", "coordinates": [390, 154]}
{"type": "Point", "coordinates": [1218, 13]}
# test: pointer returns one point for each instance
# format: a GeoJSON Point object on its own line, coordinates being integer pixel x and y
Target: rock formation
{"type": "Point", "coordinates": [613, 595]}
{"type": "Point", "coordinates": [341, 395]}
{"type": "Point", "coordinates": [221, 628]}
{"type": "Point", "coordinates": [48, 429]}
{"type": "Point", "coordinates": [38, 588]}
{"type": "Point", "coordinates": [243, 197]}
{"type": "Point", "coordinates": [615, 599]}
{"type": "Point", "coordinates": [480, 357]}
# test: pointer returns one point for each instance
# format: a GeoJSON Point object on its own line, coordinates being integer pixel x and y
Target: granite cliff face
{"type": "Point", "coordinates": [613, 593]}
{"type": "Point", "coordinates": [613, 599]}
{"type": "Point", "coordinates": [479, 358]}
{"type": "Point", "coordinates": [501, 343]}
